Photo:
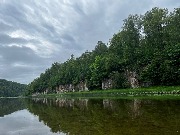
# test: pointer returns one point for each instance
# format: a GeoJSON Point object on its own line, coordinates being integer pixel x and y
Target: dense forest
{"type": "Point", "coordinates": [147, 48]}
{"type": "Point", "coordinates": [11, 89]}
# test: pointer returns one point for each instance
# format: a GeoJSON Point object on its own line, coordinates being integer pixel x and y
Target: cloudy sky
{"type": "Point", "coordinates": [36, 33]}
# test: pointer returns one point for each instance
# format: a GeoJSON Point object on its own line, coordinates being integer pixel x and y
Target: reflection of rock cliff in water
{"type": "Point", "coordinates": [108, 116]}
{"type": "Point", "coordinates": [136, 108]}
{"type": "Point", "coordinates": [62, 102]}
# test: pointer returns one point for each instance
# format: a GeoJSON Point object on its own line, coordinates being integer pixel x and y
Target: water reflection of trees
{"type": "Point", "coordinates": [97, 116]}
{"type": "Point", "coordinates": [62, 102]}
{"type": "Point", "coordinates": [10, 105]}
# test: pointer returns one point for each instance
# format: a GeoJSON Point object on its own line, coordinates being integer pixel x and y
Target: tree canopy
{"type": "Point", "coordinates": [11, 89]}
{"type": "Point", "coordinates": [147, 44]}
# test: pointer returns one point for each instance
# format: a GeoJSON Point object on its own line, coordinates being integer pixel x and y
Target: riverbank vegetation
{"type": "Point", "coordinates": [147, 49]}
{"type": "Point", "coordinates": [157, 92]}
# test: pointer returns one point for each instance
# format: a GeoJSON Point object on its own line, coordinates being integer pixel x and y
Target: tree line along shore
{"type": "Point", "coordinates": [145, 52]}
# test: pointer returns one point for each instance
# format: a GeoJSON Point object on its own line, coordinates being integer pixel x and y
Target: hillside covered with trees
{"type": "Point", "coordinates": [146, 48]}
{"type": "Point", "coordinates": [11, 89]}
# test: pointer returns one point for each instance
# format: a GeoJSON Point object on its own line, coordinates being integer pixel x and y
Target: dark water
{"type": "Point", "coordinates": [89, 117]}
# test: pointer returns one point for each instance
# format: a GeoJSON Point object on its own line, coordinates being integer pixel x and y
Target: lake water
{"type": "Point", "coordinates": [89, 117]}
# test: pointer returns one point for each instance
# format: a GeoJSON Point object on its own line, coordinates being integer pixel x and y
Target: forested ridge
{"type": "Point", "coordinates": [147, 45]}
{"type": "Point", "coordinates": [11, 89]}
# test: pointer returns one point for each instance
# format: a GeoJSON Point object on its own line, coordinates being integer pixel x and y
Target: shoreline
{"type": "Point", "coordinates": [151, 92]}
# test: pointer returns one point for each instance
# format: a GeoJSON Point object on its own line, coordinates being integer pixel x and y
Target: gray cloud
{"type": "Point", "coordinates": [19, 54]}
{"type": "Point", "coordinates": [5, 27]}
{"type": "Point", "coordinates": [34, 34]}
{"type": "Point", "coordinates": [6, 39]}
{"type": "Point", "coordinates": [21, 62]}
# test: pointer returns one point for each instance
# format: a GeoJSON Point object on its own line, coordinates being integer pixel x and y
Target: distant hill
{"type": "Point", "coordinates": [11, 89]}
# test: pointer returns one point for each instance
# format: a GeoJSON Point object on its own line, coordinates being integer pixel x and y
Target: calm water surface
{"type": "Point", "coordinates": [89, 117]}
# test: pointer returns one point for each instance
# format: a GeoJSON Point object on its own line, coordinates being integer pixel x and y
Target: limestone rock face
{"type": "Point", "coordinates": [65, 88]}
{"type": "Point", "coordinates": [132, 78]}
{"type": "Point", "coordinates": [82, 86]}
{"type": "Point", "coordinates": [46, 91]}
{"type": "Point", "coordinates": [72, 88]}
{"type": "Point", "coordinates": [107, 84]}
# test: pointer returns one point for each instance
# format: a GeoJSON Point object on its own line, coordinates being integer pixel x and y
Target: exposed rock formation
{"type": "Point", "coordinates": [107, 84]}
{"type": "Point", "coordinates": [132, 78]}
{"type": "Point", "coordinates": [72, 88]}
{"type": "Point", "coordinates": [82, 86]}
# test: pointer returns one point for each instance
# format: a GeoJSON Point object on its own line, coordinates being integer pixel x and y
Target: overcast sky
{"type": "Point", "coordinates": [36, 33]}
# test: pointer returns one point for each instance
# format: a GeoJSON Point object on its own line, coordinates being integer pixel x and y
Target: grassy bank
{"type": "Point", "coordinates": [170, 91]}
